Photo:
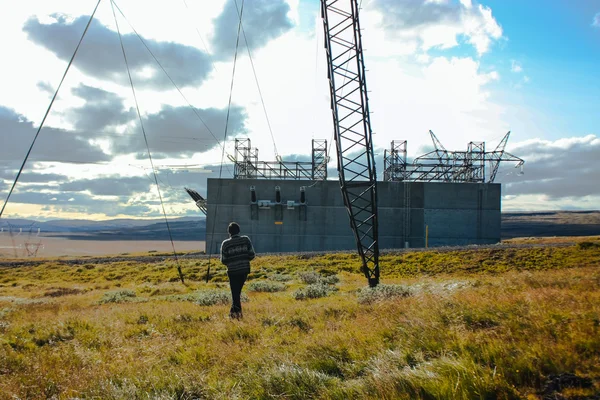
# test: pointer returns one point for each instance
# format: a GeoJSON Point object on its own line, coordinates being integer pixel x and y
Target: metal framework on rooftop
{"type": "Point", "coordinates": [248, 166]}
{"type": "Point", "coordinates": [441, 165]}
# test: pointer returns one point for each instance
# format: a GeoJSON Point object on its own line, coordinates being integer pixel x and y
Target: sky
{"type": "Point", "coordinates": [467, 70]}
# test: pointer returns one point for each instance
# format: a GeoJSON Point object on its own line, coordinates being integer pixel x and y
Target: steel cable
{"type": "Point", "coordinates": [237, 42]}
{"type": "Point", "coordinates": [49, 108]}
{"type": "Point", "coordinates": [147, 145]}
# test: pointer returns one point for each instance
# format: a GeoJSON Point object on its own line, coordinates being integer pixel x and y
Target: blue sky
{"type": "Point", "coordinates": [469, 70]}
{"type": "Point", "coordinates": [559, 51]}
{"type": "Point", "coordinates": [557, 54]}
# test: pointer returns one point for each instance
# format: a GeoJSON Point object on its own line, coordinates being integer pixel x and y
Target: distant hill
{"type": "Point", "coordinates": [550, 223]}
{"type": "Point", "coordinates": [514, 224]}
{"type": "Point", "coordinates": [185, 228]}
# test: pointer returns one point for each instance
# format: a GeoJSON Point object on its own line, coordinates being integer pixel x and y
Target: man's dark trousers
{"type": "Point", "coordinates": [236, 282]}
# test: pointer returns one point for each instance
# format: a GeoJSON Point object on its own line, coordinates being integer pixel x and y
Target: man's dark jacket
{"type": "Point", "coordinates": [236, 253]}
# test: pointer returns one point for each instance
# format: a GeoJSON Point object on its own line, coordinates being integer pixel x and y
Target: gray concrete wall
{"type": "Point", "coordinates": [454, 214]}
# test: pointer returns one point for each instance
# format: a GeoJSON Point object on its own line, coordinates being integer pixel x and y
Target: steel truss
{"type": "Point", "coordinates": [319, 160]}
{"type": "Point", "coordinates": [352, 127]}
{"type": "Point", "coordinates": [394, 162]}
{"type": "Point", "coordinates": [247, 165]}
{"type": "Point", "coordinates": [441, 165]}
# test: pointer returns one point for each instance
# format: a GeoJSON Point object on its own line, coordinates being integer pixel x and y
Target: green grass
{"type": "Point", "coordinates": [477, 324]}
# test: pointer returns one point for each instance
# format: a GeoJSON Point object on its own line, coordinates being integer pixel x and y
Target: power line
{"type": "Point", "coordinates": [194, 109]}
{"type": "Point", "coordinates": [48, 110]}
{"type": "Point", "coordinates": [146, 141]}
{"type": "Point", "coordinates": [256, 80]}
{"type": "Point", "coordinates": [240, 14]}
{"type": "Point", "coordinates": [202, 40]}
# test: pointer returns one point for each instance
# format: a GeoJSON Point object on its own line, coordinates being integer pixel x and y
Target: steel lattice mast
{"type": "Point", "coordinates": [352, 127]}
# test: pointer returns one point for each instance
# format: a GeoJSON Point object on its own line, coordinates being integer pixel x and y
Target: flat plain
{"type": "Point", "coordinates": [506, 322]}
{"type": "Point", "coordinates": [49, 246]}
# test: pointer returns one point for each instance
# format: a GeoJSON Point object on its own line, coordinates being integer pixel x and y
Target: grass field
{"type": "Point", "coordinates": [504, 323]}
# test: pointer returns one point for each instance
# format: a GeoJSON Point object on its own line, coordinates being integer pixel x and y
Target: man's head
{"type": "Point", "coordinates": [233, 228]}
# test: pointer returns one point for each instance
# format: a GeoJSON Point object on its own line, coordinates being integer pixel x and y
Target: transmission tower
{"type": "Point", "coordinates": [352, 127]}
{"type": "Point", "coordinates": [32, 245]}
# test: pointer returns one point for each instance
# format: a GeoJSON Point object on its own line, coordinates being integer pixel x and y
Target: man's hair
{"type": "Point", "coordinates": [233, 228]}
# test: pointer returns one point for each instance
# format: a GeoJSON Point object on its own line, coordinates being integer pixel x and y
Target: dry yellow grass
{"type": "Point", "coordinates": [467, 324]}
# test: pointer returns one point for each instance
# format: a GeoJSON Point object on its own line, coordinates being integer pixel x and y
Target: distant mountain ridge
{"type": "Point", "coordinates": [514, 224]}
{"type": "Point", "coordinates": [87, 226]}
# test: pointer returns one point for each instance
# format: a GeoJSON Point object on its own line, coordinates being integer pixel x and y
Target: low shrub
{"type": "Point", "coordinates": [118, 296]}
{"type": "Point", "coordinates": [207, 297]}
{"type": "Point", "coordinates": [309, 277]}
{"type": "Point", "coordinates": [382, 292]}
{"type": "Point", "coordinates": [314, 291]}
{"type": "Point", "coordinates": [330, 280]}
{"type": "Point", "coordinates": [265, 286]}
{"type": "Point", "coordinates": [280, 277]}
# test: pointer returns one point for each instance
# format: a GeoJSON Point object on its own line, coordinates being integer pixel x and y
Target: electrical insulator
{"type": "Point", "coordinates": [277, 194]}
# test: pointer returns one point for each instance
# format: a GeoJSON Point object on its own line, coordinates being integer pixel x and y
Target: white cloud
{"type": "Point", "coordinates": [423, 58]}
{"type": "Point", "coordinates": [559, 174]}
{"type": "Point", "coordinates": [515, 67]}
{"type": "Point", "coordinates": [437, 24]}
{"type": "Point", "coordinates": [596, 21]}
{"type": "Point", "coordinates": [449, 96]}
{"type": "Point", "coordinates": [411, 91]}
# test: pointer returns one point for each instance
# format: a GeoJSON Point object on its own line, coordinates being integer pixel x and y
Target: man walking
{"type": "Point", "coordinates": [236, 253]}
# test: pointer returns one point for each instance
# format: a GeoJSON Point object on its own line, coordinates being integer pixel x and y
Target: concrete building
{"type": "Point", "coordinates": [302, 215]}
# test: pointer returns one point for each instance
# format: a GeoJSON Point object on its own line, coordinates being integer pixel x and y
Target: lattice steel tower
{"type": "Point", "coordinates": [319, 160]}
{"type": "Point", "coordinates": [352, 127]}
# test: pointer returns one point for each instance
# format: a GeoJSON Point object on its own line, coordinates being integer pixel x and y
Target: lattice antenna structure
{"type": "Point", "coordinates": [440, 150]}
{"type": "Point", "coordinates": [394, 161]}
{"type": "Point", "coordinates": [252, 163]}
{"type": "Point", "coordinates": [476, 161]}
{"type": "Point", "coordinates": [248, 166]}
{"type": "Point", "coordinates": [443, 156]}
{"type": "Point", "coordinates": [244, 155]}
{"type": "Point", "coordinates": [441, 165]}
{"type": "Point", "coordinates": [319, 160]}
{"type": "Point", "coordinates": [499, 154]}
{"type": "Point", "coordinates": [199, 200]}
{"type": "Point", "coordinates": [352, 127]}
